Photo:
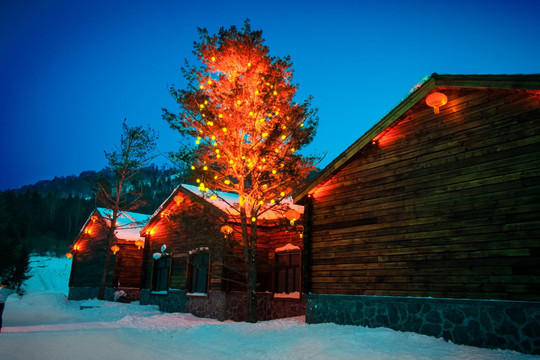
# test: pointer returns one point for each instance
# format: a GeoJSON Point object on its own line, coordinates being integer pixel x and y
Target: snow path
{"type": "Point", "coordinates": [43, 325]}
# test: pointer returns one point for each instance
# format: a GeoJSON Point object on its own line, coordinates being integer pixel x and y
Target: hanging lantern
{"type": "Point", "coordinates": [76, 247]}
{"type": "Point", "coordinates": [115, 249]}
{"type": "Point", "coordinates": [178, 199]}
{"type": "Point", "coordinates": [69, 255]}
{"type": "Point", "coordinates": [436, 100]}
{"type": "Point", "coordinates": [139, 244]}
{"type": "Point", "coordinates": [292, 215]}
{"type": "Point", "coordinates": [226, 230]}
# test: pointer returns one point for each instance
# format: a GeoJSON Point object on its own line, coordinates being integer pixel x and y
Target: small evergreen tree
{"type": "Point", "coordinates": [246, 129]}
{"type": "Point", "coordinates": [125, 162]}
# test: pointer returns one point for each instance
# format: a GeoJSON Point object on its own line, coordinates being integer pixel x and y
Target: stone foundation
{"type": "Point", "coordinates": [510, 325]}
{"type": "Point", "coordinates": [172, 301]}
{"type": "Point", "coordinates": [224, 305]}
{"type": "Point", "coordinates": [85, 293]}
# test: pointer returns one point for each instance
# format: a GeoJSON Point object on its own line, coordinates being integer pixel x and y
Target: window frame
{"type": "Point", "coordinates": [297, 271]}
{"type": "Point", "coordinates": [155, 271]}
{"type": "Point", "coordinates": [191, 268]}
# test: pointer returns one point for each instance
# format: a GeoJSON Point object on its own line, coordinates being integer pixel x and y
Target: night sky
{"type": "Point", "coordinates": [71, 71]}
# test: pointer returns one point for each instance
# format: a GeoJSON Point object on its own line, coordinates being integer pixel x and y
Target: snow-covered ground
{"type": "Point", "coordinates": [44, 325]}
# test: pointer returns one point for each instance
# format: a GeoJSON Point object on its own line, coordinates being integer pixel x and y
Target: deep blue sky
{"type": "Point", "coordinates": [71, 71]}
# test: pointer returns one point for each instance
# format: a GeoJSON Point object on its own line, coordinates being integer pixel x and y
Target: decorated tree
{"type": "Point", "coordinates": [245, 127]}
{"type": "Point", "coordinates": [120, 194]}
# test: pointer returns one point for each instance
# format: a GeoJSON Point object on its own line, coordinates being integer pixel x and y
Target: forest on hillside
{"type": "Point", "coordinates": [45, 218]}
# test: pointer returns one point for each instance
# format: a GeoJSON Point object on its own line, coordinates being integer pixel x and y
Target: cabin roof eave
{"type": "Point", "coordinates": [524, 82]}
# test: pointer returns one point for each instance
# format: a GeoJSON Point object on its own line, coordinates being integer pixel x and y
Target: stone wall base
{"type": "Point", "coordinates": [513, 325]}
{"type": "Point", "coordinates": [85, 293]}
{"type": "Point", "coordinates": [224, 305]}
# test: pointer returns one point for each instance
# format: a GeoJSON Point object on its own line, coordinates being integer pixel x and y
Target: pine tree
{"type": "Point", "coordinates": [134, 153]}
{"type": "Point", "coordinates": [246, 129]}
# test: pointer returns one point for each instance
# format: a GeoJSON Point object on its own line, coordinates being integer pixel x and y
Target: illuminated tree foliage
{"type": "Point", "coordinates": [245, 126]}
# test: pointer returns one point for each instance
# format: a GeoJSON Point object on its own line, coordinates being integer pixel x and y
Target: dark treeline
{"type": "Point", "coordinates": [46, 217]}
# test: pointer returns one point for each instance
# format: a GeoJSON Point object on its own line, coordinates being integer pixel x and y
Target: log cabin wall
{"type": "Point", "coordinates": [441, 205]}
{"type": "Point", "coordinates": [128, 265]}
{"type": "Point", "coordinates": [170, 232]}
{"type": "Point", "coordinates": [89, 260]}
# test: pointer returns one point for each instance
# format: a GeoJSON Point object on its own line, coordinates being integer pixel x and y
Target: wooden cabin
{"type": "Point", "coordinates": [89, 251]}
{"type": "Point", "coordinates": [429, 222]}
{"type": "Point", "coordinates": [193, 259]}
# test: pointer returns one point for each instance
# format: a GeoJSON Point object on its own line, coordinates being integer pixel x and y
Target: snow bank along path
{"type": "Point", "coordinates": [44, 325]}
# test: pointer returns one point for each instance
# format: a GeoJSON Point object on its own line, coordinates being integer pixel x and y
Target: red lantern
{"type": "Point", "coordinates": [69, 255]}
{"type": "Point", "coordinates": [436, 100]}
{"type": "Point", "coordinates": [292, 215]}
{"type": "Point", "coordinates": [115, 249]}
{"type": "Point", "coordinates": [226, 230]}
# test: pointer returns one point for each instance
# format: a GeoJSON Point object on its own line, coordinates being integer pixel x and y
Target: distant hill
{"type": "Point", "coordinates": [48, 215]}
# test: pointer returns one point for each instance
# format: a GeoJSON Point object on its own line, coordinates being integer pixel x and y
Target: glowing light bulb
{"type": "Point", "coordinates": [274, 171]}
{"type": "Point", "coordinates": [220, 116]}
{"type": "Point", "coordinates": [224, 129]}
{"type": "Point", "coordinates": [272, 201]}
{"type": "Point", "coordinates": [256, 92]}
{"type": "Point", "coordinates": [210, 123]}
{"type": "Point", "coordinates": [283, 137]}
{"type": "Point", "coordinates": [209, 82]}
{"type": "Point", "coordinates": [282, 193]}
{"type": "Point", "coordinates": [276, 150]}
{"type": "Point", "coordinates": [198, 181]}
{"type": "Point", "coordinates": [192, 167]}
{"type": "Point", "coordinates": [201, 87]}
{"type": "Point", "coordinates": [227, 182]}
{"type": "Point", "coordinates": [249, 64]}
{"type": "Point", "coordinates": [213, 197]}
{"type": "Point", "coordinates": [265, 134]}
{"type": "Point", "coordinates": [293, 150]}
{"type": "Point", "coordinates": [201, 106]}
{"type": "Point", "coordinates": [213, 137]}
{"type": "Point", "coordinates": [205, 168]}
{"type": "Point", "coordinates": [253, 219]}
{"type": "Point", "coordinates": [275, 92]}
{"type": "Point", "coordinates": [239, 102]}
{"type": "Point", "coordinates": [213, 58]}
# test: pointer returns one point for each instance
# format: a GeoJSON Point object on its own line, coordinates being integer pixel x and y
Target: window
{"type": "Point", "coordinates": [162, 266]}
{"type": "Point", "coordinates": [287, 274]}
{"type": "Point", "coordinates": [198, 272]}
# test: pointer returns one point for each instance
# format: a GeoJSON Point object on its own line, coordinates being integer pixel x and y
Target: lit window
{"type": "Point", "coordinates": [197, 274]}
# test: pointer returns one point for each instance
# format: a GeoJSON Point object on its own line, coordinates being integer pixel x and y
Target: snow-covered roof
{"type": "Point", "coordinates": [228, 202]}
{"type": "Point", "coordinates": [129, 224]}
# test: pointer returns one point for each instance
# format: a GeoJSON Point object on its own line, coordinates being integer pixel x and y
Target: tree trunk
{"type": "Point", "coordinates": [252, 275]}
{"type": "Point", "coordinates": [110, 240]}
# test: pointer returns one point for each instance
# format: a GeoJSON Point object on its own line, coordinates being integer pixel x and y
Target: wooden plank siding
{"type": "Point", "coordinates": [89, 260]}
{"type": "Point", "coordinates": [164, 231]}
{"type": "Point", "coordinates": [442, 205]}
{"type": "Point", "coordinates": [128, 265]}
{"type": "Point", "coordinates": [226, 255]}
